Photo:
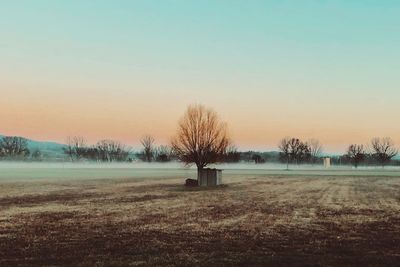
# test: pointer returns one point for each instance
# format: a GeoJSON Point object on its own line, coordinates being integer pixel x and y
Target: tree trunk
{"type": "Point", "coordinates": [199, 168]}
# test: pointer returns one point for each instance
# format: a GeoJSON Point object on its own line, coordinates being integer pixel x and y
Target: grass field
{"type": "Point", "coordinates": [252, 220]}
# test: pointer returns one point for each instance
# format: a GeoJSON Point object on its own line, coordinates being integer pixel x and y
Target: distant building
{"type": "Point", "coordinates": [327, 162]}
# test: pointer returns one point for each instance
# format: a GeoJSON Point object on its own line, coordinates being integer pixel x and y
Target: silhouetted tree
{"type": "Point", "coordinates": [14, 147]}
{"type": "Point", "coordinates": [92, 153]}
{"type": "Point", "coordinates": [303, 153]}
{"type": "Point", "coordinates": [163, 154]}
{"type": "Point", "coordinates": [294, 150]}
{"type": "Point", "coordinates": [110, 150]}
{"type": "Point", "coordinates": [75, 147]}
{"type": "Point", "coordinates": [383, 150]}
{"type": "Point", "coordinates": [68, 149]}
{"type": "Point", "coordinates": [232, 154]}
{"type": "Point", "coordinates": [148, 147]}
{"type": "Point", "coordinates": [201, 138]}
{"type": "Point", "coordinates": [356, 154]}
{"type": "Point", "coordinates": [284, 147]}
{"type": "Point", "coordinates": [315, 149]}
{"type": "Point", "coordinates": [258, 159]}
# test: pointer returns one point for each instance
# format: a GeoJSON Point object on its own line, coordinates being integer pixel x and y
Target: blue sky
{"type": "Point", "coordinates": [323, 69]}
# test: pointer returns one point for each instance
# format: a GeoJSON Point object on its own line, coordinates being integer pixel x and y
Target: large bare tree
{"type": "Point", "coordinates": [148, 147]}
{"type": "Point", "coordinates": [356, 154]}
{"type": "Point", "coordinates": [383, 150]}
{"type": "Point", "coordinates": [201, 137]}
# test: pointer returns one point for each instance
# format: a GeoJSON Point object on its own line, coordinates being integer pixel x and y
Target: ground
{"type": "Point", "coordinates": [253, 220]}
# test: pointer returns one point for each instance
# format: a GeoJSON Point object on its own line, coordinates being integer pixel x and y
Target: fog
{"type": "Point", "coordinates": [29, 171]}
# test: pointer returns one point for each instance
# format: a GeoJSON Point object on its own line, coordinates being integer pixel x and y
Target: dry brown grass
{"type": "Point", "coordinates": [251, 221]}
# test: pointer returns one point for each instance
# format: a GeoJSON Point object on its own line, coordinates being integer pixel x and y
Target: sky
{"type": "Point", "coordinates": [122, 69]}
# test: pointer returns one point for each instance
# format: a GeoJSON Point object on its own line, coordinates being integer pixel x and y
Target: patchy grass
{"type": "Point", "coordinates": [250, 221]}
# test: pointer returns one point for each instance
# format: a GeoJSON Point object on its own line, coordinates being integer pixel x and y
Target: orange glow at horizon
{"type": "Point", "coordinates": [54, 117]}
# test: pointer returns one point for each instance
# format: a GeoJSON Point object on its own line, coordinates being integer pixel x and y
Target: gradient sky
{"type": "Point", "coordinates": [120, 69]}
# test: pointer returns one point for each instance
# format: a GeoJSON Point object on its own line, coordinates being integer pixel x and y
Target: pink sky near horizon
{"type": "Point", "coordinates": [54, 116]}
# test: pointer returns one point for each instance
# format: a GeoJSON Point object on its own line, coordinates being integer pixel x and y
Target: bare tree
{"type": "Point", "coordinates": [383, 150]}
{"type": "Point", "coordinates": [232, 154]}
{"type": "Point", "coordinates": [68, 149]}
{"type": "Point", "coordinates": [162, 153]}
{"type": "Point", "coordinates": [356, 154]}
{"type": "Point", "coordinates": [104, 150]}
{"type": "Point", "coordinates": [110, 150]}
{"type": "Point", "coordinates": [119, 152]}
{"type": "Point", "coordinates": [148, 147]}
{"type": "Point", "coordinates": [284, 147]}
{"type": "Point", "coordinates": [302, 152]}
{"type": "Point", "coordinates": [201, 137]}
{"type": "Point", "coordinates": [315, 149]}
{"type": "Point", "coordinates": [258, 159]}
{"type": "Point", "coordinates": [293, 149]}
{"type": "Point", "coordinates": [14, 147]}
{"type": "Point", "coordinates": [75, 147]}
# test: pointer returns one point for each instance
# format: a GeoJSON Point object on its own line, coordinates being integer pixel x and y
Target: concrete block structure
{"type": "Point", "coordinates": [209, 177]}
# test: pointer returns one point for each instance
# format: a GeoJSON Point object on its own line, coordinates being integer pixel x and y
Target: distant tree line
{"type": "Point", "coordinates": [151, 152]}
{"type": "Point", "coordinates": [294, 150]}
{"type": "Point", "coordinates": [104, 150]}
{"type": "Point", "coordinates": [114, 151]}
{"type": "Point", "coordinates": [379, 152]}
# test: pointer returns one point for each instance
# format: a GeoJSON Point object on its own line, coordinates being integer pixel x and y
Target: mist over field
{"type": "Point", "coordinates": [34, 171]}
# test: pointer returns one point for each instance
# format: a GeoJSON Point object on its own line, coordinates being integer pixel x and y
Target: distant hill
{"type": "Point", "coordinates": [48, 149]}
